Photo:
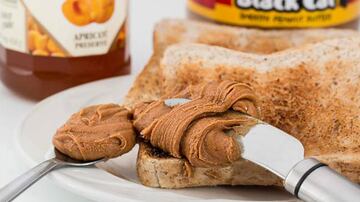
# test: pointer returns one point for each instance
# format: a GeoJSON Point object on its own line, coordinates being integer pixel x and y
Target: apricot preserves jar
{"type": "Point", "coordinates": [48, 46]}
{"type": "Point", "coordinates": [275, 14]}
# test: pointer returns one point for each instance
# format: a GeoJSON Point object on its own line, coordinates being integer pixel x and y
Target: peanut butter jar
{"type": "Point", "coordinates": [48, 46]}
{"type": "Point", "coordinates": [278, 14]}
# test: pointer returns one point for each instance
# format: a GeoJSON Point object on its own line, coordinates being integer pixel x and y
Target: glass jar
{"type": "Point", "coordinates": [48, 46]}
{"type": "Point", "coordinates": [275, 14]}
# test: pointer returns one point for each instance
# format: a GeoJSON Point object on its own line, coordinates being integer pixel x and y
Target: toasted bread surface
{"type": "Point", "coordinates": [310, 92]}
{"type": "Point", "coordinates": [171, 31]}
{"type": "Point", "coordinates": [168, 172]}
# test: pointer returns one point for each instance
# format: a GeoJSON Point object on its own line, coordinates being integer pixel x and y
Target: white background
{"type": "Point", "coordinates": [144, 14]}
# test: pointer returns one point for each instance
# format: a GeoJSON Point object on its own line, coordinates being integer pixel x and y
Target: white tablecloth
{"type": "Point", "coordinates": [144, 14]}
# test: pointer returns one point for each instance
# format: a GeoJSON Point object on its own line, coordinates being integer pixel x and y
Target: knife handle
{"type": "Point", "coordinates": [311, 180]}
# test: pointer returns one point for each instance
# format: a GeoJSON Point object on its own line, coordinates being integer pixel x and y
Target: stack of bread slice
{"type": "Point", "coordinates": [308, 82]}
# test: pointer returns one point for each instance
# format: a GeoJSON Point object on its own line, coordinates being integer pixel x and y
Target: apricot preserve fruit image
{"type": "Point", "coordinates": [40, 43]}
{"type": "Point", "coordinates": [84, 12]}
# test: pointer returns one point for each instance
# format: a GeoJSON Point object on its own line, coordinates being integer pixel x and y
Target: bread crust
{"type": "Point", "coordinates": [169, 172]}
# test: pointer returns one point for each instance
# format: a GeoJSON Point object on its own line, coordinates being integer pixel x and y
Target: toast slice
{"type": "Point", "coordinates": [171, 31]}
{"type": "Point", "coordinates": [313, 92]}
{"type": "Point", "coordinates": [155, 168]}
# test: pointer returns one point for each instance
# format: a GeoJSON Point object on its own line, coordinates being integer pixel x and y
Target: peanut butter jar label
{"type": "Point", "coordinates": [63, 28]}
{"type": "Point", "coordinates": [278, 13]}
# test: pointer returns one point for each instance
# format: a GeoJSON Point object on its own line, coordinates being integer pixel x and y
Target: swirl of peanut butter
{"type": "Point", "coordinates": [203, 130]}
{"type": "Point", "coordinates": [96, 132]}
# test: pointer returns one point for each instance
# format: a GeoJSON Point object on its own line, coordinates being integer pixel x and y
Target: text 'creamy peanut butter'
{"type": "Point", "coordinates": [96, 132]}
{"type": "Point", "coordinates": [203, 130]}
{"type": "Point", "coordinates": [275, 14]}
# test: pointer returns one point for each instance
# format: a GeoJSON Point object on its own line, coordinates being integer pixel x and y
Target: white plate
{"type": "Point", "coordinates": [34, 141]}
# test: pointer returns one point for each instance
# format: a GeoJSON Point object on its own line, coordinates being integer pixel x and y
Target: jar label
{"type": "Point", "coordinates": [63, 28]}
{"type": "Point", "coordinates": [278, 13]}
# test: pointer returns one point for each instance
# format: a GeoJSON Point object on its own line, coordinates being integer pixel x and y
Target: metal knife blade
{"type": "Point", "coordinates": [175, 101]}
{"type": "Point", "coordinates": [272, 149]}
{"type": "Point", "coordinates": [265, 145]}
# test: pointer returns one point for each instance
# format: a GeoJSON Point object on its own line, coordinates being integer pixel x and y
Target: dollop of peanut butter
{"type": "Point", "coordinates": [96, 132]}
{"type": "Point", "coordinates": [203, 130]}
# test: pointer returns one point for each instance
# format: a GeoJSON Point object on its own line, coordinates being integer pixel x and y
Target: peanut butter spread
{"type": "Point", "coordinates": [203, 130]}
{"type": "Point", "coordinates": [101, 131]}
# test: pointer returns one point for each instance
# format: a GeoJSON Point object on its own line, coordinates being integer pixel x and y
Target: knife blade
{"type": "Point", "coordinates": [283, 155]}
{"type": "Point", "coordinates": [271, 148]}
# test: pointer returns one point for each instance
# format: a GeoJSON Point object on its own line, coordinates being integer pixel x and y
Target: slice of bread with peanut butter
{"type": "Point", "coordinates": [310, 92]}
